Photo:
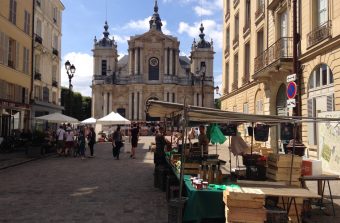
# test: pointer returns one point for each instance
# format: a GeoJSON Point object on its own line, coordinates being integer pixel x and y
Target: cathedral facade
{"type": "Point", "coordinates": [153, 69]}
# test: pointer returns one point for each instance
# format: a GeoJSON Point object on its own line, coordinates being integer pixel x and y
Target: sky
{"type": "Point", "coordinates": [84, 19]}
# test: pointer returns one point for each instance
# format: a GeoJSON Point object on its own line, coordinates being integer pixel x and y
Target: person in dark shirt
{"type": "Point", "coordinates": [117, 142]}
{"type": "Point", "coordinates": [134, 140]}
{"type": "Point", "coordinates": [161, 142]}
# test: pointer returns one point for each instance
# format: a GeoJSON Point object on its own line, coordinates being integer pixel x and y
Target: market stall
{"type": "Point", "coordinates": [188, 114]}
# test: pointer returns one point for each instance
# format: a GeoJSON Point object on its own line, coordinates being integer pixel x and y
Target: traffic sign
{"type": "Point", "coordinates": [291, 78]}
{"type": "Point", "coordinates": [291, 90]}
{"type": "Point", "coordinates": [291, 103]}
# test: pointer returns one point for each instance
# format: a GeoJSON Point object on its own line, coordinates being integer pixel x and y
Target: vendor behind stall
{"type": "Point", "coordinates": [203, 139]}
{"type": "Point", "coordinates": [161, 142]}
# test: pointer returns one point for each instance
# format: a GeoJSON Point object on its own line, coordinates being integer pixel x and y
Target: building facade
{"type": "Point", "coordinates": [47, 57]}
{"type": "Point", "coordinates": [258, 57]}
{"type": "Point", "coordinates": [153, 69]}
{"type": "Point", "coordinates": [16, 21]}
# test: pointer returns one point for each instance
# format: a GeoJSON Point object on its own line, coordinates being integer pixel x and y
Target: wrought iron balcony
{"type": "Point", "coordinates": [55, 83]}
{"type": "Point", "coordinates": [37, 76]}
{"type": "Point", "coordinates": [280, 52]}
{"type": "Point", "coordinates": [38, 39]}
{"type": "Point", "coordinates": [227, 15]}
{"type": "Point", "coordinates": [55, 51]}
{"type": "Point", "coordinates": [236, 3]}
{"type": "Point", "coordinates": [322, 32]}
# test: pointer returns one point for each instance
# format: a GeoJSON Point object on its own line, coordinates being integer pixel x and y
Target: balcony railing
{"type": "Point", "coordinates": [235, 41]}
{"type": "Point", "coordinates": [322, 32]}
{"type": "Point", "coordinates": [259, 12]}
{"type": "Point", "coordinates": [236, 3]}
{"type": "Point", "coordinates": [281, 49]}
{"type": "Point", "coordinates": [37, 76]}
{"type": "Point", "coordinates": [55, 83]}
{"type": "Point", "coordinates": [246, 28]}
{"type": "Point", "coordinates": [227, 15]}
{"type": "Point", "coordinates": [38, 39]}
{"type": "Point", "coordinates": [55, 51]}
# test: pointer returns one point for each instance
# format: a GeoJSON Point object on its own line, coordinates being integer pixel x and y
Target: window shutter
{"type": "Point", "coordinates": [330, 102]}
{"type": "Point", "coordinates": [6, 49]}
{"type": "Point", "coordinates": [17, 55]}
{"type": "Point", "coordinates": [311, 125]}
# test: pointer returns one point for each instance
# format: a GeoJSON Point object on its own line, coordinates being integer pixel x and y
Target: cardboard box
{"type": "Point", "coordinates": [311, 167]}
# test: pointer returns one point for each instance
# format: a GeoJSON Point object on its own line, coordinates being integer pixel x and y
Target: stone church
{"type": "Point", "coordinates": [153, 69]}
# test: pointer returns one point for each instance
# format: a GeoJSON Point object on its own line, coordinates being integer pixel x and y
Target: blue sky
{"type": "Point", "coordinates": [84, 19]}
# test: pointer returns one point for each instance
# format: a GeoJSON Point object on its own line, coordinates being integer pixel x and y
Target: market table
{"type": "Point", "coordinates": [321, 180]}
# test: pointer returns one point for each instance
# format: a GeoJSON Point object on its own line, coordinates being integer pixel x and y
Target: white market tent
{"type": "Point", "coordinates": [58, 118]}
{"type": "Point", "coordinates": [113, 119]}
{"type": "Point", "coordinates": [89, 121]}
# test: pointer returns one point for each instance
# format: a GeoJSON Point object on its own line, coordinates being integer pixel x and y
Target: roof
{"type": "Point", "coordinates": [184, 60]}
{"type": "Point", "coordinates": [209, 115]}
{"type": "Point", "coordinates": [124, 60]}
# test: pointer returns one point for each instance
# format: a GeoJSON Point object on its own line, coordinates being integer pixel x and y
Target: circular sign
{"type": "Point", "coordinates": [291, 90]}
{"type": "Point", "coordinates": [153, 61]}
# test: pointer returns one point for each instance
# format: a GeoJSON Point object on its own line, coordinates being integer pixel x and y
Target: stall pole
{"type": "Point", "coordinates": [291, 164]}
{"type": "Point", "coordinates": [184, 126]}
{"type": "Point", "coordinates": [229, 139]}
{"type": "Point", "coordinates": [252, 138]}
{"type": "Point", "coordinates": [216, 148]}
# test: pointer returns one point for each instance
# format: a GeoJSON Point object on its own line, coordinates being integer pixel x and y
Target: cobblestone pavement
{"type": "Point", "coordinates": [100, 189]}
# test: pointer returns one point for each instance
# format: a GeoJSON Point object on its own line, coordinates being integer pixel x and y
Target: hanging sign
{"type": "Point", "coordinates": [291, 90]}
{"type": "Point", "coordinates": [291, 103]}
{"type": "Point", "coordinates": [291, 78]}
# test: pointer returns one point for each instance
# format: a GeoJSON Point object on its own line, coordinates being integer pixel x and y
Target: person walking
{"type": "Point", "coordinates": [81, 142]}
{"type": "Point", "coordinates": [91, 137]}
{"type": "Point", "coordinates": [117, 142]}
{"type": "Point", "coordinates": [69, 141]}
{"type": "Point", "coordinates": [60, 135]}
{"type": "Point", "coordinates": [134, 140]}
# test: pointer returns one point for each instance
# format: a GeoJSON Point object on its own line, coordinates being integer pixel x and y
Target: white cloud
{"type": "Point", "coordinates": [202, 11]}
{"type": "Point", "coordinates": [135, 26]}
{"type": "Point", "coordinates": [212, 30]}
{"type": "Point", "coordinates": [121, 55]}
{"type": "Point", "coordinates": [84, 70]}
{"type": "Point", "coordinates": [121, 38]}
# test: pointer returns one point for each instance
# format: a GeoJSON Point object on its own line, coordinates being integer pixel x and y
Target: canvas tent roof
{"type": "Point", "coordinates": [209, 115]}
{"type": "Point", "coordinates": [58, 118]}
{"type": "Point", "coordinates": [89, 121]}
{"type": "Point", "coordinates": [113, 119]}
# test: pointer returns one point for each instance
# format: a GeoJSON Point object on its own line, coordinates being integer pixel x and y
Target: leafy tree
{"type": "Point", "coordinates": [75, 105]}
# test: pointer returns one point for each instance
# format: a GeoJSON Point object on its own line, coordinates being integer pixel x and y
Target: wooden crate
{"type": "Point", "coordinates": [246, 214]}
{"type": "Point", "coordinates": [282, 158]}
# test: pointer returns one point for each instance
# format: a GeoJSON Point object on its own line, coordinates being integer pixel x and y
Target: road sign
{"type": "Point", "coordinates": [291, 90]}
{"type": "Point", "coordinates": [291, 103]}
{"type": "Point", "coordinates": [291, 78]}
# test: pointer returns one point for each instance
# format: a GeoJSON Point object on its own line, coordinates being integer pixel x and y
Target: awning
{"type": "Point", "coordinates": [58, 118]}
{"type": "Point", "coordinates": [113, 119]}
{"type": "Point", "coordinates": [210, 115]}
{"type": "Point", "coordinates": [89, 121]}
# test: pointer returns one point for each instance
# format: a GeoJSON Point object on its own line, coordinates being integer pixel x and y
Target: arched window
{"type": "Point", "coordinates": [320, 77]}
{"type": "Point", "coordinates": [320, 97]}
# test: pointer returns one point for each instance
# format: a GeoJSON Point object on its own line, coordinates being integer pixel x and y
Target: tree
{"type": "Point", "coordinates": [75, 104]}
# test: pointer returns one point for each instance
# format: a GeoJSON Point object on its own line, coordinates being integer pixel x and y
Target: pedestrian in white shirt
{"type": "Point", "coordinates": [60, 135]}
{"type": "Point", "coordinates": [69, 141]}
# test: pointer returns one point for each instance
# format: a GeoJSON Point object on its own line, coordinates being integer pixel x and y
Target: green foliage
{"type": "Point", "coordinates": [75, 104]}
{"type": "Point", "coordinates": [217, 103]}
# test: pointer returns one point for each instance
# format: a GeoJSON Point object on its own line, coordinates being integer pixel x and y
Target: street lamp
{"type": "Point", "coordinates": [70, 70]}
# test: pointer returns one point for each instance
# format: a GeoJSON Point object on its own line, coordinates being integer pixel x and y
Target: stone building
{"type": "Point", "coordinates": [258, 57]}
{"type": "Point", "coordinates": [47, 57]}
{"type": "Point", "coordinates": [153, 69]}
{"type": "Point", "coordinates": [15, 64]}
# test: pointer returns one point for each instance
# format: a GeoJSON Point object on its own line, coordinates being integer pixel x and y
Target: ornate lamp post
{"type": "Point", "coordinates": [70, 70]}
{"type": "Point", "coordinates": [202, 71]}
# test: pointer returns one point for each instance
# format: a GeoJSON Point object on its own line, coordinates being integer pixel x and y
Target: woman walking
{"type": "Point", "coordinates": [81, 142]}
{"type": "Point", "coordinates": [69, 141]}
{"type": "Point", "coordinates": [117, 142]}
{"type": "Point", "coordinates": [134, 140]}
{"type": "Point", "coordinates": [92, 140]}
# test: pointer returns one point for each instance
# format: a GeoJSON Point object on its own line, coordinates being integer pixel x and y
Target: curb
{"type": "Point", "coordinates": [26, 161]}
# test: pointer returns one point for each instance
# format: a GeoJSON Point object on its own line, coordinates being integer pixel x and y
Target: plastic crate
{"type": "Point", "coordinates": [276, 215]}
{"type": "Point", "coordinates": [175, 210]}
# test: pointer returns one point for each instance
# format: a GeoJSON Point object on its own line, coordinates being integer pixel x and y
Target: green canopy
{"type": "Point", "coordinates": [216, 136]}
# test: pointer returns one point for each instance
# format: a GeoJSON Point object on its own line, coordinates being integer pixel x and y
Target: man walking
{"type": "Point", "coordinates": [60, 140]}
{"type": "Point", "coordinates": [117, 142]}
{"type": "Point", "coordinates": [134, 140]}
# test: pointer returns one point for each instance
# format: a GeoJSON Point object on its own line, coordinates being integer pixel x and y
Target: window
{"type": "Point", "coordinates": [259, 107]}
{"type": "Point", "coordinates": [245, 108]}
{"type": "Point", "coordinates": [228, 39]}
{"type": "Point", "coordinates": [55, 42]}
{"type": "Point", "coordinates": [54, 73]}
{"type": "Point", "coordinates": [55, 15]}
{"type": "Point", "coordinates": [228, 6]}
{"type": "Point", "coordinates": [173, 97]}
{"type": "Point", "coordinates": [37, 93]}
{"type": "Point", "coordinates": [320, 77]}
{"type": "Point", "coordinates": [153, 68]}
{"type": "Point", "coordinates": [39, 31]}
{"type": "Point", "coordinates": [54, 98]}
{"type": "Point", "coordinates": [168, 97]}
{"type": "Point", "coordinates": [235, 71]}
{"type": "Point", "coordinates": [46, 94]}
{"type": "Point", "coordinates": [13, 11]}
{"type": "Point", "coordinates": [2, 47]}
{"type": "Point", "coordinates": [27, 22]}
{"type": "Point", "coordinates": [246, 63]}
{"type": "Point", "coordinates": [104, 67]}
{"type": "Point", "coordinates": [12, 53]}
{"type": "Point", "coordinates": [227, 77]}
{"type": "Point", "coordinates": [283, 24]}
{"type": "Point", "coordinates": [26, 60]}
{"type": "Point", "coordinates": [247, 14]}
{"type": "Point", "coordinates": [260, 47]}
{"type": "Point", "coordinates": [236, 31]}
{"type": "Point", "coordinates": [322, 11]}
{"type": "Point", "coordinates": [37, 63]}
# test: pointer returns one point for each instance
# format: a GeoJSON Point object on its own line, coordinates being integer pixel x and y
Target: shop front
{"type": "Point", "coordinates": [14, 117]}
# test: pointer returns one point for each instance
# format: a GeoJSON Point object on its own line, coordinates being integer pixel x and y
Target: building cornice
{"type": "Point", "coordinates": [239, 90]}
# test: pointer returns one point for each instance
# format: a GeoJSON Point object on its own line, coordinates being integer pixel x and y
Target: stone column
{"type": "Point", "coordinates": [130, 61]}
{"type": "Point", "coordinates": [135, 106]}
{"type": "Point", "coordinates": [170, 62]}
{"type": "Point", "coordinates": [130, 106]}
{"type": "Point", "coordinates": [176, 60]}
{"type": "Point", "coordinates": [110, 103]}
{"type": "Point", "coordinates": [141, 105]}
{"type": "Point", "coordinates": [165, 61]}
{"type": "Point", "coordinates": [141, 59]}
{"type": "Point", "coordinates": [136, 60]}
{"type": "Point", "coordinates": [105, 104]}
